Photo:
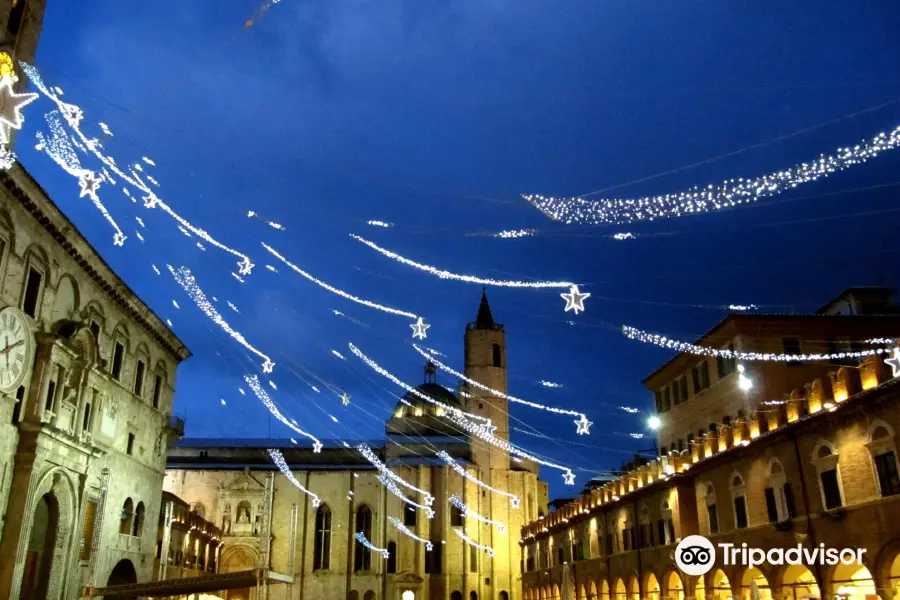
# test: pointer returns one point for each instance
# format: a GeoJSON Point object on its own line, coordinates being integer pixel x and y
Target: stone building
{"type": "Point", "coordinates": [807, 462]}
{"type": "Point", "coordinates": [187, 545]}
{"type": "Point", "coordinates": [315, 547]}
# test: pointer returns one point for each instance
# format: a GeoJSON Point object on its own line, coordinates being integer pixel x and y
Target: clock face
{"type": "Point", "coordinates": [15, 348]}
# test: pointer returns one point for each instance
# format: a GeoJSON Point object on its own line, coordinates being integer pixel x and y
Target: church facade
{"type": "Point", "coordinates": [234, 483]}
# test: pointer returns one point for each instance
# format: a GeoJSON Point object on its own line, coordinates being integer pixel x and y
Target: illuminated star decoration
{"type": "Point", "coordinates": [11, 105]}
{"type": "Point", "coordinates": [317, 447]}
{"type": "Point", "coordinates": [89, 183]}
{"type": "Point", "coordinates": [574, 299]}
{"type": "Point", "coordinates": [894, 362]}
{"type": "Point", "coordinates": [583, 425]}
{"type": "Point", "coordinates": [345, 399]}
{"type": "Point", "coordinates": [516, 502]}
{"type": "Point", "coordinates": [268, 365]}
{"type": "Point", "coordinates": [419, 328]}
{"type": "Point", "coordinates": [245, 266]}
{"type": "Point", "coordinates": [119, 239]}
{"type": "Point", "coordinates": [569, 478]}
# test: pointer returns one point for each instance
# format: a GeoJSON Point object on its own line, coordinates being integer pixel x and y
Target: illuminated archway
{"type": "Point", "coordinates": [799, 583]}
{"type": "Point", "coordinates": [754, 577]}
{"type": "Point", "coordinates": [673, 587]}
{"type": "Point", "coordinates": [852, 582]}
{"type": "Point", "coordinates": [634, 588]}
{"type": "Point", "coordinates": [604, 590]}
{"type": "Point", "coordinates": [619, 592]}
{"type": "Point", "coordinates": [720, 587]}
{"type": "Point", "coordinates": [592, 591]}
{"type": "Point", "coordinates": [651, 587]}
{"type": "Point", "coordinates": [894, 576]}
{"type": "Point", "coordinates": [555, 595]}
{"type": "Point", "coordinates": [700, 588]}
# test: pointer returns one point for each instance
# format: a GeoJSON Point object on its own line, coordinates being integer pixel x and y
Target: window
{"type": "Point", "coordinates": [86, 420]}
{"type": "Point", "coordinates": [95, 329]}
{"type": "Point", "coordinates": [322, 541]}
{"type": "Point", "coordinates": [682, 385]}
{"type": "Point", "coordinates": [118, 358]}
{"type": "Point", "coordinates": [712, 512]}
{"type": "Point", "coordinates": [32, 292]}
{"type": "Point", "coordinates": [726, 365]}
{"type": "Point", "coordinates": [659, 404]}
{"type": "Point", "coordinates": [667, 403]}
{"type": "Point", "coordinates": [125, 518]}
{"type": "Point", "coordinates": [831, 490]}
{"type": "Point", "coordinates": [676, 393]}
{"type": "Point", "coordinates": [409, 516]}
{"type": "Point", "coordinates": [456, 517]}
{"type": "Point", "coordinates": [392, 557]}
{"type": "Point", "coordinates": [15, 17]}
{"type": "Point", "coordinates": [740, 512]}
{"type": "Point", "coordinates": [473, 558]}
{"type": "Point", "coordinates": [17, 407]}
{"type": "Point", "coordinates": [51, 395]}
{"type": "Point", "coordinates": [888, 479]}
{"type": "Point", "coordinates": [609, 544]}
{"type": "Point", "coordinates": [700, 375]}
{"type": "Point", "coordinates": [139, 378]}
{"type": "Point", "coordinates": [497, 355]}
{"type": "Point", "coordinates": [779, 496]}
{"type": "Point", "coordinates": [157, 388]}
{"type": "Point", "coordinates": [129, 448]}
{"type": "Point", "coordinates": [362, 558]}
{"type": "Point", "coordinates": [138, 528]}
{"type": "Point", "coordinates": [87, 530]}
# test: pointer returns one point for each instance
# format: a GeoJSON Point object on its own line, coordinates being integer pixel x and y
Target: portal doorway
{"type": "Point", "coordinates": [41, 544]}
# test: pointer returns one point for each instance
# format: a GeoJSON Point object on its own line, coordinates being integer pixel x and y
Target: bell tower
{"type": "Point", "coordinates": [485, 348]}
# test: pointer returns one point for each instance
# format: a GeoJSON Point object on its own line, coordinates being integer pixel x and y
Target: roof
{"type": "Point", "coordinates": [484, 320]}
{"type": "Point", "coordinates": [36, 201]}
{"type": "Point", "coordinates": [433, 390]}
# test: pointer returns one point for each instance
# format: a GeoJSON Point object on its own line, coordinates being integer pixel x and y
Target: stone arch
{"type": "Point", "coordinates": [238, 558]}
{"type": "Point", "coordinates": [634, 587]}
{"type": "Point", "coordinates": [554, 594]}
{"type": "Point", "coordinates": [123, 573]}
{"type": "Point", "coordinates": [755, 576]}
{"type": "Point", "coordinates": [604, 590]}
{"type": "Point", "coordinates": [369, 595]}
{"type": "Point", "coordinates": [797, 582]}
{"type": "Point", "coordinates": [819, 450]}
{"type": "Point", "coordinates": [699, 590]}
{"type": "Point", "coordinates": [592, 591]}
{"type": "Point", "coordinates": [672, 585]}
{"type": "Point", "coordinates": [619, 592]}
{"type": "Point", "coordinates": [66, 299]}
{"type": "Point", "coordinates": [55, 483]}
{"type": "Point", "coordinates": [873, 434]}
{"type": "Point", "coordinates": [854, 580]}
{"type": "Point", "coordinates": [651, 587]}
{"type": "Point", "coordinates": [719, 587]}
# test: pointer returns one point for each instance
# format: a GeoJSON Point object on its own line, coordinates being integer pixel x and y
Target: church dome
{"type": "Point", "coordinates": [414, 415]}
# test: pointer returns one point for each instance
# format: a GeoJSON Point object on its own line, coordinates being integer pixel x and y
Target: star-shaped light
{"type": "Point", "coordinates": [575, 299]}
{"type": "Point", "coordinates": [515, 502]}
{"type": "Point", "coordinates": [419, 328]}
{"type": "Point", "coordinates": [150, 200]}
{"type": "Point", "coordinates": [11, 105]}
{"type": "Point", "coordinates": [245, 266]}
{"type": "Point", "coordinates": [316, 501]}
{"type": "Point", "coordinates": [429, 499]}
{"type": "Point", "coordinates": [118, 239]}
{"type": "Point", "coordinates": [345, 399]}
{"type": "Point", "coordinates": [501, 528]}
{"type": "Point", "coordinates": [894, 362]}
{"type": "Point", "coordinates": [317, 447]}
{"type": "Point", "coordinates": [385, 553]}
{"type": "Point", "coordinates": [569, 478]}
{"type": "Point", "coordinates": [268, 365]}
{"type": "Point", "coordinates": [429, 512]}
{"type": "Point", "coordinates": [429, 546]}
{"type": "Point", "coordinates": [89, 183]}
{"type": "Point", "coordinates": [583, 425]}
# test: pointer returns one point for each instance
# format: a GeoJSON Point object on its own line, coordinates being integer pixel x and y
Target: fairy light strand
{"type": "Point", "coordinates": [405, 530]}
{"type": "Point", "coordinates": [187, 281]}
{"type": "Point", "coordinates": [471, 542]}
{"type": "Point", "coordinates": [390, 486]}
{"type": "Point", "coordinates": [279, 461]}
{"type": "Point", "coordinates": [253, 382]}
{"type": "Point", "coordinates": [497, 393]}
{"type": "Point", "coordinates": [457, 277]}
{"type": "Point", "coordinates": [361, 538]}
{"type": "Point", "coordinates": [335, 290]}
{"type": "Point", "coordinates": [467, 512]}
{"type": "Point", "coordinates": [651, 338]}
{"type": "Point", "coordinates": [700, 199]}
{"type": "Point", "coordinates": [370, 456]}
{"type": "Point", "coordinates": [514, 500]}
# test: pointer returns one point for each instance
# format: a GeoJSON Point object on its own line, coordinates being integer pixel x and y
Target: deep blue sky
{"type": "Point", "coordinates": [436, 116]}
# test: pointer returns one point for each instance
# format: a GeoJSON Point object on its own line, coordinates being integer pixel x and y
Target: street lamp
{"type": "Point", "coordinates": [653, 422]}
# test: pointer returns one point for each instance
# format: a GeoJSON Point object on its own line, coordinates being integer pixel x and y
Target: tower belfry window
{"type": "Point", "coordinates": [497, 356]}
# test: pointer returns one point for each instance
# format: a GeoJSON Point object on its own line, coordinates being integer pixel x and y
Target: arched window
{"type": "Point", "coordinates": [138, 528]}
{"type": "Point", "coordinates": [883, 450]}
{"type": "Point", "coordinates": [125, 518]}
{"type": "Point", "coordinates": [498, 356]}
{"type": "Point", "coordinates": [779, 495]}
{"type": "Point", "coordinates": [362, 558]}
{"type": "Point", "coordinates": [739, 499]}
{"type": "Point", "coordinates": [504, 595]}
{"type": "Point", "coordinates": [473, 595]}
{"type": "Point", "coordinates": [392, 557]}
{"type": "Point", "coordinates": [712, 512]}
{"type": "Point", "coordinates": [409, 516]}
{"type": "Point", "coordinates": [456, 595]}
{"type": "Point", "coordinates": [826, 461]}
{"type": "Point", "coordinates": [322, 542]}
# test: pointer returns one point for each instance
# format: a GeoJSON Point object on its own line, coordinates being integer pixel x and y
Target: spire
{"type": "Point", "coordinates": [484, 320]}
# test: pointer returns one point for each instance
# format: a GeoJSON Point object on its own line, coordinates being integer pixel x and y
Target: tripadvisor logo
{"type": "Point", "coordinates": [696, 555]}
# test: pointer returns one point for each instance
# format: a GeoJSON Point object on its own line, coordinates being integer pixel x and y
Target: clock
{"type": "Point", "coordinates": [15, 348]}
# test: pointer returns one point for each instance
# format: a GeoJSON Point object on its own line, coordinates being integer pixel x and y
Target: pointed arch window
{"type": "Point", "coordinates": [362, 558]}
{"type": "Point", "coordinates": [883, 450]}
{"type": "Point", "coordinates": [125, 518]}
{"type": "Point", "coordinates": [322, 541]}
{"type": "Point", "coordinates": [497, 355]}
{"type": "Point", "coordinates": [138, 527]}
{"type": "Point", "coordinates": [826, 461]}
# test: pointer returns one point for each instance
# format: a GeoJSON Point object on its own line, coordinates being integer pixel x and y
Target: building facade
{"type": "Point", "coordinates": [316, 545]}
{"type": "Point", "coordinates": [809, 462]}
{"type": "Point", "coordinates": [187, 545]}
{"type": "Point", "coordinates": [87, 376]}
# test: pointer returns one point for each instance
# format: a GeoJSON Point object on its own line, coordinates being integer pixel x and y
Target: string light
{"type": "Point", "coordinates": [630, 409]}
{"type": "Point", "coordinates": [232, 306]}
{"type": "Point", "coordinates": [11, 105]}
{"type": "Point", "coordinates": [73, 115]}
{"type": "Point", "coordinates": [497, 393]}
{"type": "Point", "coordinates": [351, 319]}
{"type": "Point", "coordinates": [713, 197]}
{"type": "Point", "coordinates": [261, 393]}
{"type": "Point", "coordinates": [105, 128]}
{"type": "Point", "coordinates": [514, 500]}
{"type": "Point", "coordinates": [254, 215]}
{"type": "Point", "coordinates": [334, 290]}
{"type": "Point", "coordinates": [379, 224]}
{"type": "Point", "coordinates": [550, 384]}
{"type": "Point", "coordinates": [7, 158]}
{"type": "Point", "coordinates": [511, 234]}
{"type": "Point", "coordinates": [390, 486]}
{"type": "Point", "coordinates": [403, 529]}
{"type": "Point", "coordinates": [664, 342]}
{"type": "Point", "coordinates": [186, 280]}
{"type": "Point", "coordinates": [458, 503]}
{"type": "Point", "coordinates": [471, 542]}
{"type": "Point", "coordinates": [279, 461]}
{"type": "Point", "coordinates": [361, 538]}
{"type": "Point", "coordinates": [623, 236]}
{"type": "Point", "coordinates": [419, 328]}
{"type": "Point", "coordinates": [742, 307]}
{"type": "Point", "coordinates": [338, 354]}
{"type": "Point", "coordinates": [457, 277]}
{"type": "Point", "coordinates": [370, 456]}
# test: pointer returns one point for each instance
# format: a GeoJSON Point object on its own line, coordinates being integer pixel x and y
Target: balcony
{"type": "Point", "coordinates": [175, 427]}
{"type": "Point", "coordinates": [128, 543]}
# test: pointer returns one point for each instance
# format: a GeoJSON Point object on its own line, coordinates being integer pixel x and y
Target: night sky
{"type": "Point", "coordinates": [436, 116]}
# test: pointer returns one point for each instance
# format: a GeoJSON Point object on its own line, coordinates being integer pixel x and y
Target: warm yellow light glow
{"type": "Point", "coordinates": [869, 381]}
{"type": "Point", "coordinates": [7, 66]}
{"type": "Point", "coordinates": [840, 395]}
{"type": "Point", "coordinates": [418, 412]}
